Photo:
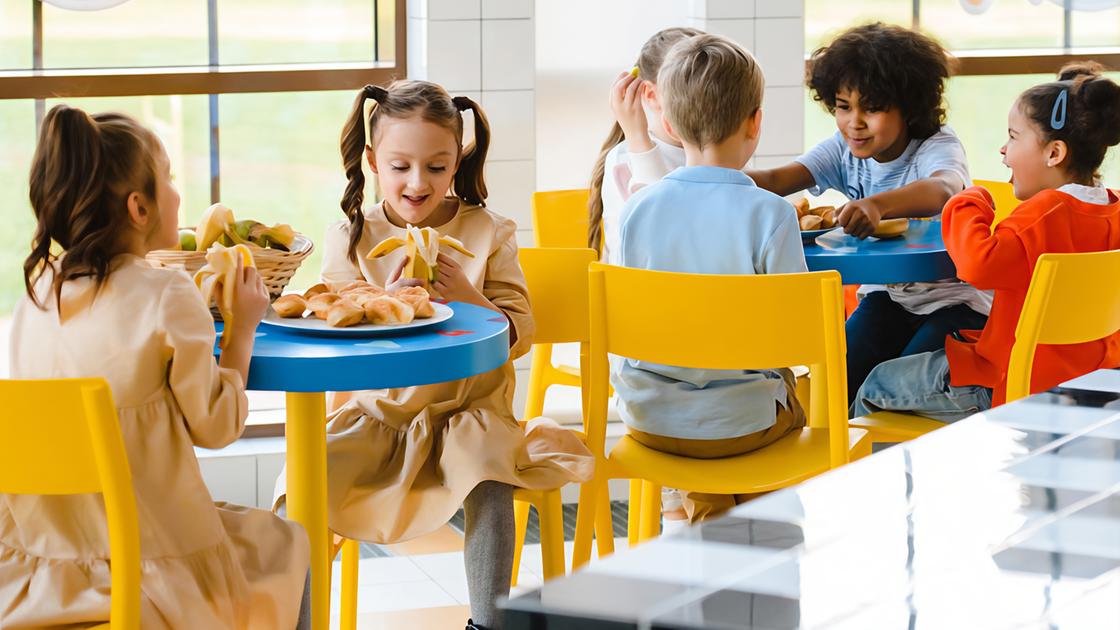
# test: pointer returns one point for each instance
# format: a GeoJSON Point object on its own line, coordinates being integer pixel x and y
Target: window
{"type": "Point", "coordinates": [286, 77]}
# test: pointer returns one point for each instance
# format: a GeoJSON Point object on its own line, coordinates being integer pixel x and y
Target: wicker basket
{"type": "Point", "coordinates": [275, 266]}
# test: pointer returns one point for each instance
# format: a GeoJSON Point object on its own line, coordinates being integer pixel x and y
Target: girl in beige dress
{"type": "Point", "coordinates": [101, 190]}
{"type": "Point", "coordinates": [402, 461]}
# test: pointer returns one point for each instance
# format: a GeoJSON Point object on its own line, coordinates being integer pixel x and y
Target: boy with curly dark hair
{"type": "Point", "coordinates": [892, 157]}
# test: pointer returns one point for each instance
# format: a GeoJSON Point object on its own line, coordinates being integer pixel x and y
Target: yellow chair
{"type": "Point", "coordinates": [62, 437]}
{"type": "Point", "coordinates": [631, 317]}
{"type": "Point", "coordinates": [1003, 193]}
{"type": "Point", "coordinates": [557, 281]}
{"type": "Point", "coordinates": [1056, 311]}
{"type": "Point", "coordinates": [1066, 303]}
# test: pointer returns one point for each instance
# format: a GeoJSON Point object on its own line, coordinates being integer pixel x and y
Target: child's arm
{"type": "Point", "coordinates": [984, 259]}
{"type": "Point", "coordinates": [783, 251]}
{"type": "Point", "coordinates": [783, 180]}
{"type": "Point", "coordinates": [211, 399]}
{"type": "Point", "coordinates": [923, 198]}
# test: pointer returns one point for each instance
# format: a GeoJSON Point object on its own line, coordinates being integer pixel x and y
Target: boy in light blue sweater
{"type": "Point", "coordinates": [709, 217]}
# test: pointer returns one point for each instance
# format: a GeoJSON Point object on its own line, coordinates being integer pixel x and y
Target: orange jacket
{"type": "Point", "coordinates": [1003, 260]}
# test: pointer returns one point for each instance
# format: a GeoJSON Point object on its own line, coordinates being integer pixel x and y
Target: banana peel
{"type": "Point", "coordinates": [219, 226]}
{"type": "Point", "coordinates": [217, 279]}
{"type": "Point", "coordinates": [422, 247]}
{"type": "Point", "coordinates": [215, 223]}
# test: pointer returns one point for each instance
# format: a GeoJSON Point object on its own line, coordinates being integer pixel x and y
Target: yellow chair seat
{"type": "Point", "coordinates": [790, 460]}
{"type": "Point", "coordinates": [894, 426]}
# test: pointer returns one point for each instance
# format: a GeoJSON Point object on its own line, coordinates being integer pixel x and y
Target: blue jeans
{"type": "Point", "coordinates": [919, 383]}
{"type": "Point", "coordinates": [880, 330]}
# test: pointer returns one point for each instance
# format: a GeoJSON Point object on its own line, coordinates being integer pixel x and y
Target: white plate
{"type": "Point", "coordinates": [314, 326]}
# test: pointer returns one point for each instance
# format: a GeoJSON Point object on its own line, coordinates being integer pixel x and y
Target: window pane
{"type": "Point", "coordinates": [1096, 28]}
{"type": "Point", "coordinates": [17, 144]}
{"type": "Point", "coordinates": [15, 35]}
{"type": "Point", "coordinates": [182, 123]}
{"type": "Point", "coordinates": [295, 31]}
{"type": "Point", "coordinates": [386, 30]}
{"type": "Point", "coordinates": [170, 33]}
{"type": "Point", "coordinates": [281, 164]}
{"type": "Point", "coordinates": [1001, 24]}
{"type": "Point", "coordinates": [824, 19]}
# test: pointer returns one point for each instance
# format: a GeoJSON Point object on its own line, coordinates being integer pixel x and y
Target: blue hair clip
{"type": "Point", "coordinates": [1058, 114]}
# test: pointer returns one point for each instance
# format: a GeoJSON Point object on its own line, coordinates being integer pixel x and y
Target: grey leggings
{"type": "Point", "coordinates": [488, 551]}
{"type": "Point", "coordinates": [304, 621]}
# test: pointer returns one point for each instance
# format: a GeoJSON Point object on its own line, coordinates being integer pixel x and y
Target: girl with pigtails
{"type": "Point", "coordinates": [402, 461]}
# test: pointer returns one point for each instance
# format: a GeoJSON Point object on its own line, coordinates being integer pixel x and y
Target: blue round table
{"type": "Point", "coordinates": [475, 340]}
{"type": "Point", "coordinates": [917, 256]}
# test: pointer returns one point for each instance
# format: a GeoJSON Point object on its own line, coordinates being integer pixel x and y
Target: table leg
{"type": "Point", "coordinates": [307, 491]}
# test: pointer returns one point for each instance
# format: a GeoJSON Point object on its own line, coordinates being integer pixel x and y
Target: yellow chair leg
{"type": "Point", "coordinates": [348, 609]}
{"type": "Point", "coordinates": [520, 523]}
{"type": "Point", "coordinates": [634, 513]}
{"type": "Point", "coordinates": [551, 515]}
{"type": "Point", "coordinates": [604, 526]}
{"type": "Point", "coordinates": [585, 522]}
{"type": "Point", "coordinates": [539, 367]}
{"type": "Point", "coordinates": [306, 439]}
{"type": "Point", "coordinates": [651, 511]}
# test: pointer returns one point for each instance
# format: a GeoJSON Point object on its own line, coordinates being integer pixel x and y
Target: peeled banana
{"type": "Point", "coordinates": [215, 222]}
{"type": "Point", "coordinates": [219, 226]}
{"type": "Point", "coordinates": [218, 277]}
{"type": "Point", "coordinates": [422, 248]}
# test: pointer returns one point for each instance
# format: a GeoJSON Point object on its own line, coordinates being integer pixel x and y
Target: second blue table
{"type": "Point", "coordinates": [917, 256]}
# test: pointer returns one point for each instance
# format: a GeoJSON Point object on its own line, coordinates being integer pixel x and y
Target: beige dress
{"type": "Point", "coordinates": [401, 461]}
{"type": "Point", "coordinates": [204, 565]}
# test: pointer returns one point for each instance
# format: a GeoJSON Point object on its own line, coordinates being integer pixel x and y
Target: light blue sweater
{"type": "Point", "coordinates": [709, 220]}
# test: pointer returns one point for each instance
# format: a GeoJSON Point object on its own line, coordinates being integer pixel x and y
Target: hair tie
{"type": "Point", "coordinates": [462, 102]}
{"type": "Point", "coordinates": [376, 92]}
{"type": "Point", "coordinates": [1058, 114]}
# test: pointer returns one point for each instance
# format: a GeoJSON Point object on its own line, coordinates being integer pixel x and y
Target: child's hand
{"type": "Point", "coordinates": [453, 285]}
{"type": "Point", "coordinates": [860, 218]}
{"type": "Point", "coordinates": [626, 103]}
{"type": "Point", "coordinates": [396, 282]}
{"type": "Point", "coordinates": [250, 300]}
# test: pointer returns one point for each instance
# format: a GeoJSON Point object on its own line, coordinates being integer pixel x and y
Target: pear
{"type": "Point", "coordinates": [243, 230]}
{"type": "Point", "coordinates": [187, 240]}
{"type": "Point", "coordinates": [280, 236]}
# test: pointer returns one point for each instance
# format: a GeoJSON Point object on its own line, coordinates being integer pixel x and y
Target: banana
{"type": "Point", "coordinates": [422, 249]}
{"type": "Point", "coordinates": [216, 222]}
{"type": "Point", "coordinates": [217, 279]}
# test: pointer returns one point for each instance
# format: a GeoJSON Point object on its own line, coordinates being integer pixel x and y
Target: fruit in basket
{"type": "Point", "coordinates": [217, 280]}
{"type": "Point", "coordinates": [216, 222]}
{"type": "Point", "coordinates": [219, 226]}
{"type": "Point", "coordinates": [187, 240]}
{"type": "Point", "coordinates": [422, 248]}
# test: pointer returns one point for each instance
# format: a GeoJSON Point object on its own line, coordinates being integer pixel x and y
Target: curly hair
{"type": "Point", "coordinates": [890, 66]}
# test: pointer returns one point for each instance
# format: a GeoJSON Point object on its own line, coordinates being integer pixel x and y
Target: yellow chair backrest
{"type": "Point", "coordinates": [560, 218]}
{"type": "Point", "coordinates": [1003, 193]}
{"type": "Point", "coordinates": [722, 322]}
{"type": "Point", "coordinates": [1073, 298]}
{"type": "Point", "coordinates": [557, 280]}
{"type": "Point", "coordinates": [62, 437]}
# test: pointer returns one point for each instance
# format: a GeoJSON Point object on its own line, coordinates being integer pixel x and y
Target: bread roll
{"type": "Point", "coordinates": [828, 217]}
{"type": "Point", "coordinates": [290, 305]}
{"type": "Point", "coordinates": [810, 222]}
{"type": "Point", "coordinates": [890, 228]}
{"type": "Point", "coordinates": [419, 299]}
{"type": "Point", "coordinates": [319, 304]}
{"type": "Point", "coordinates": [388, 310]}
{"type": "Point", "coordinates": [344, 312]}
{"type": "Point", "coordinates": [362, 297]}
{"type": "Point", "coordinates": [316, 290]}
{"type": "Point", "coordinates": [360, 285]}
{"type": "Point", "coordinates": [802, 207]}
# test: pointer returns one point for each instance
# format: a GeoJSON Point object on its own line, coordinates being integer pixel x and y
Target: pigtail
{"type": "Point", "coordinates": [595, 201]}
{"type": "Point", "coordinates": [353, 147]}
{"type": "Point", "coordinates": [470, 183]}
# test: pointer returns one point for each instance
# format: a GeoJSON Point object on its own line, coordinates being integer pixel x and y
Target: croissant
{"type": "Point", "coordinates": [290, 305]}
{"type": "Point", "coordinates": [386, 309]}
{"type": "Point", "coordinates": [810, 222]}
{"type": "Point", "coordinates": [344, 312]}
{"type": "Point", "coordinates": [419, 299]}
{"type": "Point", "coordinates": [802, 207]}
{"type": "Point", "coordinates": [319, 304]}
{"type": "Point", "coordinates": [316, 290]}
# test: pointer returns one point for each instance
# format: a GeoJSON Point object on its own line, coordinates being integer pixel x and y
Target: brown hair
{"type": "Point", "coordinates": [890, 66]}
{"type": "Point", "coordinates": [83, 171]}
{"type": "Point", "coordinates": [649, 64]}
{"type": "Point", "coordinates": [711, 85]}
{"type": "Point", "coordinates": [404, 99]}
{"type": "Point", "coordinates": [1088, 120]}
